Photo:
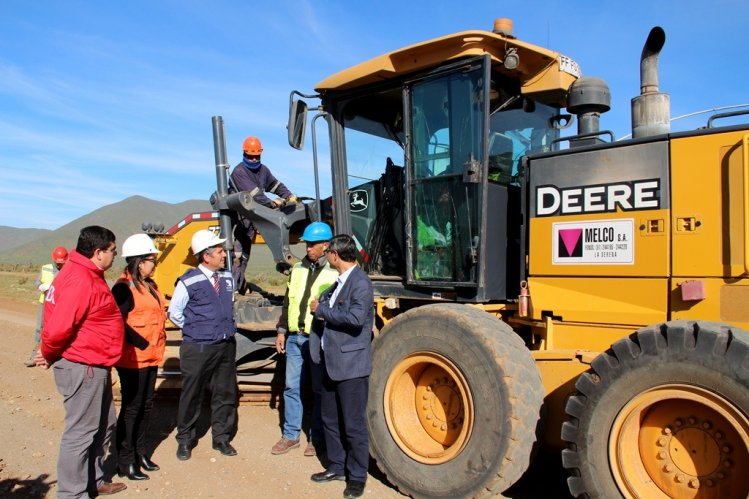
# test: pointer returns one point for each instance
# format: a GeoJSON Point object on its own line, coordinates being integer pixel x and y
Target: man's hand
{"type": "Point", "coordinates": [279, 202]}
{"type": "Point", "coordinates": [313, 304]}
{"type": "Point", "coordinates": [40, 361]}
{"type": "Point", "coordinates": [280, 342]}
{"type": "Point", "coordinates": [292, 199]}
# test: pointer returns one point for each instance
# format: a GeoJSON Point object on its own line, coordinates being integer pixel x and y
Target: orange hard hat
{"type": "Point", "coordinates": [252, 146]}
{"type": "Point", "coordinates": [60, 255]}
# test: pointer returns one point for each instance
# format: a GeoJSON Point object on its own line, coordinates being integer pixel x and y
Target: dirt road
{"type": "Point", "coordinates": [31, 417]}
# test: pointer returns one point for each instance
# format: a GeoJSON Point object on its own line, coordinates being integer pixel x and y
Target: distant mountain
{"type": "Point", "coordinates": [33, 246]}
{"type": "Point", "coordinates": [13, 237]}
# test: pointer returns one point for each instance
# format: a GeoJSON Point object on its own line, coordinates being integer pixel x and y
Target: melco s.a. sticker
{"type": "Point", "coordinates": [602, 242]}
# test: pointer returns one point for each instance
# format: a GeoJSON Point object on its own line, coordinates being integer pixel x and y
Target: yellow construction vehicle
{"type": "Point", "coordinates": [579, 292]}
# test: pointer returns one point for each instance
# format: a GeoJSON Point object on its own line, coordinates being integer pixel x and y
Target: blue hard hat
{"type": "Point", "coordinates": [317, 231]}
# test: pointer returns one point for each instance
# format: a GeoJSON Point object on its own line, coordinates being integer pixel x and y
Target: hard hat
{"type": "Point", "coordinates": [138, 244]}
{"type": "Point", "coordinates": [316, 232]}
{"type": "Point", "coordinates": [203, 239]}
{"type": "Point", "coordinates": [59, 255]}
{"type": "Point", "coordinates": [252, 146]}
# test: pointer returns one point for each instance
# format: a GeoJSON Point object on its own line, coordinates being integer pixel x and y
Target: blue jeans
{"type": "Point", "coordinates": [300, 369]}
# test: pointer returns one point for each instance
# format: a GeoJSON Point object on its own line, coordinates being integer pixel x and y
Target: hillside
{"type": "Point", "coordinates": [33, 246]}
{"type": "Point", "coordinates": [13, 237]}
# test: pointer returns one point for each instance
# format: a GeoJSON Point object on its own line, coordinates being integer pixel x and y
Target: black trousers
{"type": "Point", "coordinates": [215, 365]}
{"type": "Point", "coordinates": [344, 418]}
{"type": "Point", "coordinates": [137, 387]}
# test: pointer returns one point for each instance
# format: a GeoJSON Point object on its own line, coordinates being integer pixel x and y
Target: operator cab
{"type": "Point", "coordinates": [432, 167]}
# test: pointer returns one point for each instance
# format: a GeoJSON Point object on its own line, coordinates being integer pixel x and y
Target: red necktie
{"type": "Point", "coordinates": [216, 284]}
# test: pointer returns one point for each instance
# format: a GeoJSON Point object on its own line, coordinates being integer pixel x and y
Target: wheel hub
{"type": "Point", "coordinates": [441, 412]}
{"type": "Point", "coordinates": [680, 441]}
{"type": "Point", "coordinates": [428, 408]}
{"type": "Point", "coordinates": [689, 454]}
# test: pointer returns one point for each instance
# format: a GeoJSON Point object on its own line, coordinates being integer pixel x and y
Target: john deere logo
{"type": "Point", "coordinates": [358, 200]}
{"type": "Point", "coordinates": [570, 243]}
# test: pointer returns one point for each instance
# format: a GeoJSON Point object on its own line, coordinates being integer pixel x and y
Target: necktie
{"type": "Point", "coordinates": [216, 284]}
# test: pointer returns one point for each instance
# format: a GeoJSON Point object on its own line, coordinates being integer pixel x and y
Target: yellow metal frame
{"type": "Point", "coordinates": [539, 72]}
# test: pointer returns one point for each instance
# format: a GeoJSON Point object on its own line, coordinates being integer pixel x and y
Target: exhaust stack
{"type": "Point", "coordinates": [651, 110]}
{"type": "Point", "coordinates": [222, 167]}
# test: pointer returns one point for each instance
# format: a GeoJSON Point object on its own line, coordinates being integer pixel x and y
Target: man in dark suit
{"type": "Point", "coordinates": [343, 348]}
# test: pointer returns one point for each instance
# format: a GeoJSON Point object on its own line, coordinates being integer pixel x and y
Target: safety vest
{"type": "Point", "coordinates": [297, 285]}
{"type": "Point", "coordinates": [147, 318]}
{"type": "Point", "coordinates": [209, 318]}
{"type": "Point", "coordinates": [47, 275]}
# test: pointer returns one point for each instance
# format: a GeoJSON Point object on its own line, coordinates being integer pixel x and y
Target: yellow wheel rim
{"type": "Point", "coordinates": [680, 441]}
{"type": "Point", "coordinates": [428, 408]}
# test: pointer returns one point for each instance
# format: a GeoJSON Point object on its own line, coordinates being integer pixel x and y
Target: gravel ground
{"type": "Point", "coordinates": [31, 417]}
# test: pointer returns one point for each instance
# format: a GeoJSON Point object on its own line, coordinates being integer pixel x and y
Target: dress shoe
{"type": "Point", "coordinates": [327, 476]}
{"type": "Point", "coordinates": [109, 488]}
{"type": "Point", "coordinates": [225, 448]}
{"type": "Point", "coordinates": [353, 489]}
{"type": "Point", "coordinates": [184, 451]}
{"type": "Point", "coordinates": [132, 472]}
{"type": "Point", "coordinates": [284, 445]}
{"type": "Point", "coordinates": [146, 464]}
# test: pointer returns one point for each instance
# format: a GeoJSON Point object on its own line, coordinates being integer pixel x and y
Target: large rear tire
{"type": "Point", "coordinates": [455, 399]}
{"type": "Point", "coordinates": [663, 413]}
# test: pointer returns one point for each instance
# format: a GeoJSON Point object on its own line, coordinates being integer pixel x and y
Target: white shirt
{"type": "Point", "coordinates": [341, 281]}
{"type": "Point", "coordinates": [181, 297]}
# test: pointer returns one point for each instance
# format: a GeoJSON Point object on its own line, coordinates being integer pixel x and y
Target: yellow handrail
{"type": "Point", "coordinates": [745, 157]}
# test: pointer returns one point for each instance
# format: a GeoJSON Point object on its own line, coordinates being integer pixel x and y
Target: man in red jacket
{"type": "Point", "coordinates": [82, 338]}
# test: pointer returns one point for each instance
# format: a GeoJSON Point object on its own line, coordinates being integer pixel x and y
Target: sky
{"type": "Point", "coordinates": [100, 101]}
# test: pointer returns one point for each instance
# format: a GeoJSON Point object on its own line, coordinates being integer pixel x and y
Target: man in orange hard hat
{"type": "Point", "coordinates": [46, 276]}
{"type": "Point", "coordinates": [254, 177]}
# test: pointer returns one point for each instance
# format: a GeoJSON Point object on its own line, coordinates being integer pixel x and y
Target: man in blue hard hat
{"type": "Point", "coordinates": [308, 279]}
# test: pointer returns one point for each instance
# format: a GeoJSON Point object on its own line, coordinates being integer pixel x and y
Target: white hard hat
{"type": "Point", "coordinates": [138, 244]}
{"type": "Point", "coordinates": [203, 239]}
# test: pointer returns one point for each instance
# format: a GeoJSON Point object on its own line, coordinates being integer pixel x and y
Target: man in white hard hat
{"type": "Point", "coordinates": [202, 306]}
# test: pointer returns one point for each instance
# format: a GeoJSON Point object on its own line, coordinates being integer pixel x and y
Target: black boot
{"type": "Point", "coordinates": [132, 472]}
{"type": "Point", "coordinates": [146, 464]}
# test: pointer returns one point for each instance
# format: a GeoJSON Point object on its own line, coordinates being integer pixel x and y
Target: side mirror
{"type": "Point", "coordinates": [297, 123]}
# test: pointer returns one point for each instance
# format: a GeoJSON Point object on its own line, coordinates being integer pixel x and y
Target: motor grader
{"type": "Point", "coordinates": [571, 292]}
{"type": "Point", "coordinates": [534, 288]}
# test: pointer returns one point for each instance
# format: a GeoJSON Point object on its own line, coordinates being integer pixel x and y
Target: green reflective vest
{"type": "Point", "coordinates": [297, 283]}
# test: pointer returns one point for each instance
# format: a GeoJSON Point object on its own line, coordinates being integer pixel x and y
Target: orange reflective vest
{"type": "Point", "coordinates": [147, 318]}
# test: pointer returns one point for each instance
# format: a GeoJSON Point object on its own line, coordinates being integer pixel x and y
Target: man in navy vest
{"type": "Point", "coordinates": [202, 306]}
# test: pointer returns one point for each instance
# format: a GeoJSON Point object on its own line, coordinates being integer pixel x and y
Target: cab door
{"type": "Point", "coordinates": [448, 119]}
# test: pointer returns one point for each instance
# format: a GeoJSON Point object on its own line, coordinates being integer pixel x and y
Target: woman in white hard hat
{"type": "Point", "coordinates": [142, 307]}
